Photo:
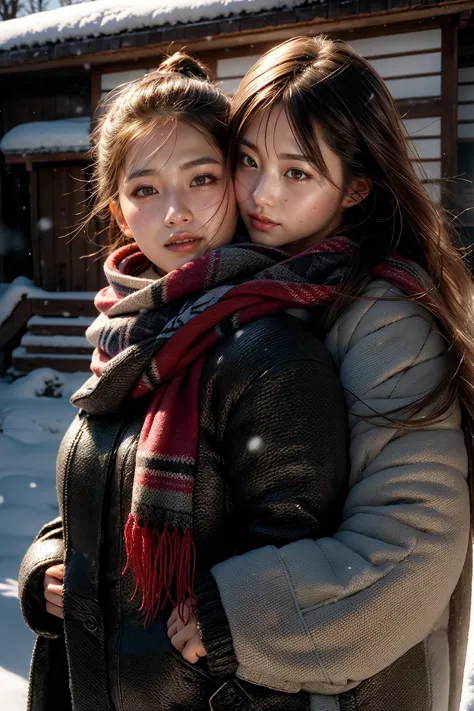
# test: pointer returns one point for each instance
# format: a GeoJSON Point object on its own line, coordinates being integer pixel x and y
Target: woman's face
{"type": "Point", "coordinates": [283, 200]}
{"type": "Point", "coordinates": [175, 197]}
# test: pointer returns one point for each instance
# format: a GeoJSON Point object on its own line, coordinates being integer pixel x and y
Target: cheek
{"type": "Point", "coordinates": [224, 220]}
{"type": "Point", "coordinates": [322, 201]}
{"type": "Point", "coordinates": [214, 203]}
{"type": "Point", "coordinates": [244, 185]}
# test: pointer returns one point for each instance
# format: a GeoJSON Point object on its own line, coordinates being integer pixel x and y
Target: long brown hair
{"type": "Point", "coordinates": [325, 83]}
{"type": "Point", "coordinates": [180, 90]}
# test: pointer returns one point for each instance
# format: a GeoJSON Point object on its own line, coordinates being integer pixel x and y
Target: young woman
{"type": "Point", "coordinates": [365, 619]}
{"type": "Point", "coordinates": [214, 423]}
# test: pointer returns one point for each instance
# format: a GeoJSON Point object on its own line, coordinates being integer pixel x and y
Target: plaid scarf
{"type": "Point", "coordinates": [153, 336]}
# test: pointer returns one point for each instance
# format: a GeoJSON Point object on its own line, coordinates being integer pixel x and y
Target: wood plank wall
{"type": "Point", "coordinates": [466, 103]}
{"type": "Point", "coordinates": [24, 99]}
{"type": "Point", "coordinates": [465, 131]}
{"type": "Point", "coordinates": [62, 254]}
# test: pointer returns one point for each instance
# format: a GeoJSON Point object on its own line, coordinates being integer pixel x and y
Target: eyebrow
{"type": "Point", "coordinates": [205, 160]}
{"type": "Point", "coordinates": [282, 156]}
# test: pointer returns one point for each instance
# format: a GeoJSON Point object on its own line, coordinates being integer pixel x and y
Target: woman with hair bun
{"type": "Point", "coordinates": [214, 423]}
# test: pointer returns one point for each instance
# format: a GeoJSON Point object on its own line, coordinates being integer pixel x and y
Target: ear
{"type": "Point", "coordinates": [117, 214]}
{"type": "Point", "coordinates": [358, 190]}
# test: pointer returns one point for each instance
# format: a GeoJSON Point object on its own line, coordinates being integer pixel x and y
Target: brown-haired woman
{"type": "Point", "coordinates": [214, 423]}
{"type": "Point", "coordinates": [365, 619]}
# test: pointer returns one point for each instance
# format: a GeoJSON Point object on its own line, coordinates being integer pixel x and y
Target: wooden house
{"type": "Point", "coordinates": [56, 66]}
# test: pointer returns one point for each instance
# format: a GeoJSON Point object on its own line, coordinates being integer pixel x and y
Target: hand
{"type": "Point", "coordinates": [53, 590]}
{"type": "Point", "coordinates": [185, 637]}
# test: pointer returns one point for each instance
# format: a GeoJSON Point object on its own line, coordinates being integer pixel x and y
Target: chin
{"type": "Point", "coordinates": [265, 239]}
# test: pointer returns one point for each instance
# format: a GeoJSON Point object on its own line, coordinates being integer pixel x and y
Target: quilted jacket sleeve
{"type": "Point", "coordinates": [320, 614]}
{"type": "Point", "coordinates": [47, 549]}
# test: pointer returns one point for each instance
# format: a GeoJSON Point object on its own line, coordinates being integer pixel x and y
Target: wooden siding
{"type": "Point", "coordinates": [465, 182]}
{"type": "Point", "coordinates": [58, 192]}
{"type": "Point", "coordinates": [43, 97]}
{"type": "Point", "coordinates": [466, 103]}
{"type": "Point", "coordinates": [112, 80]}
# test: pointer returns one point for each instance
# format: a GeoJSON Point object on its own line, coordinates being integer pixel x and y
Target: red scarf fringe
{"type": "Point", "coordinates": [163, 565]}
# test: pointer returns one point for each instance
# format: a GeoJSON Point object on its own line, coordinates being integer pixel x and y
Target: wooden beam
{"type": "Point", "coordinates": [225, 34]}
{"type": "Point", "coordinates": [449, 106]}
{"type": "Point", "coordinates": [28, 158]}
{"type": "Point", "coordinates": [56, 307]}
{"type": "Point", "coordinates": [15, 322]}
{"type": "Point", "coordinates": [96, 89]}
{"type": "Point", "coordinates": [34, 233]}
{"type": "Point", "coordinates": [419, 108]}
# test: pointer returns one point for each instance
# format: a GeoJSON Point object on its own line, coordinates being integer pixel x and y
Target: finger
{"type": "Point", "coordinates": [172, 630]}
{"type": "Point", "coordinates": [177, 625]}
{"type": "Point", "coordinates": [53, 598]}
{"type": "Point", "coordinates": [56, 571]}
{"type": "Point", "coordinates": [173, 618]}
{"type": "Point", "coordinates": [184, 613]}
{"type": "Point", "coordinates": [54, 610]}
{"type": "Point", "coordinates": [181, 638]}
{"type": "Point", "coordinates": [53, 585]}
{"type": "Point", "coordinates": [193, 650]}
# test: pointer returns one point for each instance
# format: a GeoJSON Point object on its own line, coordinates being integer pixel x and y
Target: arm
{"type": "Point", "coordinates": [405, 531]}
{"type": "Point", "coordinates": [46, 550]}
{"type": "Point", "coordinates": [285, 459]}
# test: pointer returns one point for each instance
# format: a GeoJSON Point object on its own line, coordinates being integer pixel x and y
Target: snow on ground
{"type": "Point", "coordinates": [109, 17]}
{"type": "Point", "coordinates": [63, 135]}
{"type": "Point", "coordinates": [34, 414]}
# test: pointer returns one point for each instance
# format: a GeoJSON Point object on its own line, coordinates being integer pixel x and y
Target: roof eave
{"type": "Point", "coordinates": [234, 32]}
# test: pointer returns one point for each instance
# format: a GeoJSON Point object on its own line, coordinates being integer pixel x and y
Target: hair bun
{"type": "Point", "coordinates": [182, 63]}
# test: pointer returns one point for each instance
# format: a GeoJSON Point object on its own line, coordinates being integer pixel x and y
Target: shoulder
{"type": "Point", "coordinates": [266, 348]}
{"type": "Point", "coordinates": [382, 335]}
{"type": "Point", "coordinates": [381, 309]}
{"type": "Point", "coordinates": [274, 340]}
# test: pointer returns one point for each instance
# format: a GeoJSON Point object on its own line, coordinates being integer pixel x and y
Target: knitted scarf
{"type": "Point", "coordinates": [153, 336]}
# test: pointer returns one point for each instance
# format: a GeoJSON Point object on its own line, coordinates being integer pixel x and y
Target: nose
{"type": "Point", "coordinates": [265, 193]}
{"type": "Point", "coordinates": [177, 214]}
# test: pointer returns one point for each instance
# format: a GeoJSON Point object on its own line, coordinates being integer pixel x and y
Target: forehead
{"type": "Point", "coordinates": [174, 142]}
{"type": "Point", "coordinates": [270, 128]}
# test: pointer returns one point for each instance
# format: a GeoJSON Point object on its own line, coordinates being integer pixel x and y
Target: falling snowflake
{"type": "Point", "coordinates": [44, 224]}
{"type": "Point", "coordinates": [254, 444]}
{"type": "Point", "coordinates": [33, 484]}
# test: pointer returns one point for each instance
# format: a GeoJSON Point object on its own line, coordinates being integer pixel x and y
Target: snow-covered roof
{"type": "Point", "coordinates": [63, 136]}
{"type": "Point", "coordinates": [111, 17]}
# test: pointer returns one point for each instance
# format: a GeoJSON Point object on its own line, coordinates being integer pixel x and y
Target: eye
{"type": "Point", "coordinates": [247, 161]}
{"type": "Point", "coordinates": [297, 175]}
{"type": "Point", "coordinates": [202, 180]}
{"type": "Point", "coordinates": [144, 191]}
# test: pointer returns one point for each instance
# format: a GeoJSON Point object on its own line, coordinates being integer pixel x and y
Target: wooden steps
{"type": "Point", "coordinates": [55, 334]}
{"type": "Point", "coordinates": [24, 362]}
{"type": "Point", "coordinates": [64, 326]}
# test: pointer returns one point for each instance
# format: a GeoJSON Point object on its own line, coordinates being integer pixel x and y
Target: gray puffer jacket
{"type": "Point", "coordinates": [366, 620]}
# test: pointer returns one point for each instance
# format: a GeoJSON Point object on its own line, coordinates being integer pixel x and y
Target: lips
{"type": "Point", "coordinates": [183, 242]}
{"type": "Point", "coordinates": [262, 223]}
